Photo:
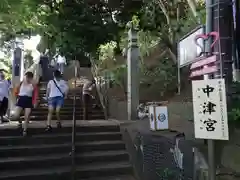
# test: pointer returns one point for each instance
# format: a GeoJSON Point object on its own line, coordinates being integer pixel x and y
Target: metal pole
{"type": "Point", "coordinates": [209, 28]}
{"type": "Point", "coordinates": [179, 80]}
{"type": "Point", "coordinates": [211, 160]}
{"type": "Point", "coordinates": [209, 23]}
{"type": "Point", "coordinates": [74, 127]}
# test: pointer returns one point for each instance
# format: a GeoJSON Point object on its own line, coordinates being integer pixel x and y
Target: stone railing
{"type": "Point", "coordinates": [102, 86]}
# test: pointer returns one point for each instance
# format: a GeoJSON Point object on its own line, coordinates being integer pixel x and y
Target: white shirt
{"type": "Point", "coordinates": [87, 88]}
{"type": "Point", "coordinates": [54, 91]}
{"type": "Point", "coordinates": [4, 89]}
{"type": "Point", "coordinates": [26, 90]}
{"type": "Point", "coordinates": [61, 59]}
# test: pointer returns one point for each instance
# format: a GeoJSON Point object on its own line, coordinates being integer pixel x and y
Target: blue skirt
{"type": "Point", "coordinates": [24, 102]}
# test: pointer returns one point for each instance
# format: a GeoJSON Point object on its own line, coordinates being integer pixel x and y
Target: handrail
{"type": "Point", "coordinates": [102, 86]}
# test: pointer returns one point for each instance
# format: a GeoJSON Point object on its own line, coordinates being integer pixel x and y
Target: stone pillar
{"type": "Point", "coordinates": [133, 74]}
{"type": "Point", "coordinates": [17, 74]}
{"type": "Point", "coordinates": [18, 68]}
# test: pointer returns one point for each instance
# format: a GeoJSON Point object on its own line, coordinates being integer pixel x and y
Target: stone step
{"type": "Point", "coordinates": [56, 138]}
{"type": "Point", "coordinates": [47, 149]}
{"type": "Point", "coordinates": [40, 112]}
{"type": "Point", "coordinates": [40, 129]}
{"type": "Point", "coordinates": [93, 170]}
{"type": "Point", "coordinates": [70, 101]}
{"type": "Point", "coordinates": [120, 177]}
{"type": "Point", "coordinates": [67, 117]}
{"type": "Point", "coordinates": [41, 162]}
{"type": "Point", "coordinates": [42, 93]}
{"type": "Point", "coordinates": [68, 106]}
{"type": "Point", "coordinates": [100, 153]}
{"type": "Point", "coordinates": [69, 96]}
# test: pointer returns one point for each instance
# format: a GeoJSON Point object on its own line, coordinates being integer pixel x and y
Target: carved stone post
{"type": "Point", "coordinates": [17, 74]}
{"type": "Point", "coordinates": [133, 73]}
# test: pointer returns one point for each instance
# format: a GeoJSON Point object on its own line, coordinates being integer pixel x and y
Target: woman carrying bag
{"type": "Point", "coordinates": [57, 90]}
{"type": "Point", "coordinates": [27, 95]}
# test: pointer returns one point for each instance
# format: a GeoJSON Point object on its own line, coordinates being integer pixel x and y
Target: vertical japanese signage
{"type": "Point", "coordinates": [17, 61]}
{"type": "Point", "coordinates": [210, 110]}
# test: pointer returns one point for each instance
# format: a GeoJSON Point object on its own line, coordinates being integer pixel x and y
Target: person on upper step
{"type": "Point", "coordinates": [61, 62]}
{"type": "Point", "coordinates": [4, 93]}
{"type": "Point", "coordinates": [27, 95]}
{"type": "Point", "coordinates": [87, 97]}
{"type": "Point", "coordinates": [57, 90]}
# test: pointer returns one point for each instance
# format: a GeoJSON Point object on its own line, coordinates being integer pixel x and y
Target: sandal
{"type": "Point", "coordinates": [59, 125]}
{"type": "Point", "coordinates": [25, 133]}
{"type": "Point", "coordinates": [48, 128]}
{"type": "Point", "coordinates": [19, 126]}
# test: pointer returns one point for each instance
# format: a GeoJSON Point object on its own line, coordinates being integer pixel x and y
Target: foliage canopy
{"type": "Point", "coordinates": [73, 26]}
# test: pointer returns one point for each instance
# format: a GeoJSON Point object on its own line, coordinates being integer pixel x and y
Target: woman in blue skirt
{"type": "Point", "coordinates": [57, 90]}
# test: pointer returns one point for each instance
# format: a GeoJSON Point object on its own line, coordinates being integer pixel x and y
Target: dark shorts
{"type": "Point", "coordinates": [3, 106]}
{"type": "Point", "coordinates": [56, 101]}
{"type": "Point", "coordinates": [24, 102]}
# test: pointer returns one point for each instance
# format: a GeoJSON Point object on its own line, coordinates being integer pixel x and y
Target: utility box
{"type": "Point", "coordinates": [158, 117]}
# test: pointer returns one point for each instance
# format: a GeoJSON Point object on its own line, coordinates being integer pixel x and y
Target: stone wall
{"type": "Point", "coordinates": [117, 109]}
{"type": "Point", "coordinates": [154, 153]}
{"type": "Point", "coordinates": [69, 71]}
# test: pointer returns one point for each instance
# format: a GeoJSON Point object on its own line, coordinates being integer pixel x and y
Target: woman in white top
{"type": "Point", "coordinates": [27, 94]}
{"type": "Point", "coordinates": [61, 61]}
{"type": "Point", "coordinates": [57, 90]}
{"type": "Point", "coordinates": [4, 93]}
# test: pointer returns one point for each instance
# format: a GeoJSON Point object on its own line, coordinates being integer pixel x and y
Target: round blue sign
{"type": "Point", "coordinates": [162, 117]}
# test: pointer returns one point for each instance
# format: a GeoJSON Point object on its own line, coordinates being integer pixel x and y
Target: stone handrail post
{"type": "Point", "coordinates": [133, 72]}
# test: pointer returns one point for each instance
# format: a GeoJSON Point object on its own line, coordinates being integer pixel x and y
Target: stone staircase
{"type": "Point", "coordinates": [100, 153]}
{"type": "Point", "coordinates": [100, 150]}
{"type": "Point", "coordinates": [40, 113]}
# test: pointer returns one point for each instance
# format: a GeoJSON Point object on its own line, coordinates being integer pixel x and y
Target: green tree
{"type": "Point", "coordinates": [75, 27]}
{"type": "Point", "coordinates": [169, 20]}
{"type": "Point", "coordinates": [6, 65]}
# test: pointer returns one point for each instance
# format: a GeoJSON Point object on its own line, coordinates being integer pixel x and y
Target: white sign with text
{"type": "Point", "coordinates": [210, 109]}
{"type": "Point", "coordinates": [158, 117]}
